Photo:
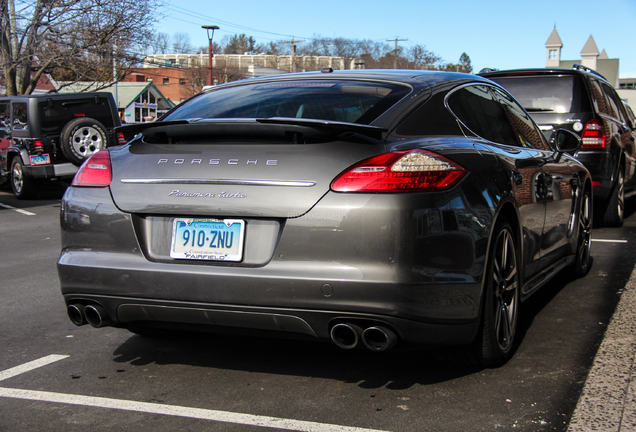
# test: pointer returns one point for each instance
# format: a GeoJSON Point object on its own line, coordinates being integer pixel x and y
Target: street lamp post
{"type": "Point", "coordinates": [210, 55]}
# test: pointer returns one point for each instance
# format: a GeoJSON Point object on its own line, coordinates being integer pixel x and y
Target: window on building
{"type": "Point", "coordinates": [182, 81]}
{"type": "Point", "coordinates": [166, 81]}
{"type": "Point", "coordinates": [553, 54]}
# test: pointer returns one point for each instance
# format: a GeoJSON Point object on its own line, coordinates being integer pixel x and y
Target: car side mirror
{"type": "Point", "coordinates": [565, 141]}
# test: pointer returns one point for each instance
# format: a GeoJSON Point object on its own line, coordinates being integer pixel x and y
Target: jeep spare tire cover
{"type": "Point", "coordinates": [81, 138]}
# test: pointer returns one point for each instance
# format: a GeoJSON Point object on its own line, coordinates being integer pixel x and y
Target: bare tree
{"type": "Point", "coordinates": [160, 43]}
{"type": "Point", "coordinates": [216, 48]}
{"type": "Point", "coordinates": [84, 38]}
{"type": "Point", "coordinates": [422, 58]}
{"type": "Point", "coordinates": [227, 71]}
{"type": "Point", "coordinates": [181, 43]}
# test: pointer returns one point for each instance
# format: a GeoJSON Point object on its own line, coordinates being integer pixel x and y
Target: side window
{"type": "Point", "coordinates": [630, 115]}
{"type": "Point", "coordinates": [613, 103]}
{"type": "Point", "coordinates": [429, 120]}
{"type": "Point", "coordinates": [20, 116]}
{"type": "Point", "coordinates": [5, 116]}
{"type": "Point", "coordinates": [527, 132]}
{"type": "Point", "coordinates": [477, 109]}
{"type": "Point", "coordinates": [598, 98]}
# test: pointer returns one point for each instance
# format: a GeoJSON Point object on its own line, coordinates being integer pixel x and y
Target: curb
{"type": "Point", "coordinates": [608, 400]}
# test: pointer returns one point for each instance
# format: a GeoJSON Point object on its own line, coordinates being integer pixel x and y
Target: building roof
{"type": "Point", "coordinates": [603, 55]}
{"type": "Point", "coordinates": [590, 48]}
{"type": "Point", "coordinates": [554, 40]}
{"type": "Point", "coordinates": [126, 92]}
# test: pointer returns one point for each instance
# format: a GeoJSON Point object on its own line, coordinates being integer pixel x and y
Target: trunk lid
{"type": "Point", "coordinates": [225, 177]}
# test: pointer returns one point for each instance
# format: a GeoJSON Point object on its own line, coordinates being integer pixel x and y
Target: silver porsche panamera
{"type": "Point", "coordinates": [369, 208]}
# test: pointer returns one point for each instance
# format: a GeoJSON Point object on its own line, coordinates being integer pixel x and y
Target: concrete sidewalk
{"type": "Point", "coordinates": [608, 399]}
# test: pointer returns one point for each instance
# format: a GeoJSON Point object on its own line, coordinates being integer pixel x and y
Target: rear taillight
{"type": "Point", "coordinates": [120, 138]}
{"type": "Point", "coordinates": [593, 136]}
{"type": "Point", "coordinates": [95, 172]}
{"type": "Point", "coordinates": [38, 146]}
{"type": "Point", "coordinates": [404, 171]}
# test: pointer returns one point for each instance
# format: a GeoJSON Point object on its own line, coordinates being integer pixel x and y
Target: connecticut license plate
{"type": "Point", "coordinates": [40, 159]}
{"type": "Point", "coordinates": [207, 239]}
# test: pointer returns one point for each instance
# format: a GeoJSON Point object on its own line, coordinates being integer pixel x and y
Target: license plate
{"type": "Point", "coordinates": [207, 239]}
{"type": "Point", "coordinates": [40, 159]}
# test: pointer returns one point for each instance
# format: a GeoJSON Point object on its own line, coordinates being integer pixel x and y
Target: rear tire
{"type": "Point", "coordinates": [24, 187]}
{"type": "Point", "coordinates": [493, 345]}
{"type": "Point", "coordinates": [584, 236]}
{"type": "Point", "coordinates": [500, 312]}
{"type": "Point", "coordinates": [614, 212]}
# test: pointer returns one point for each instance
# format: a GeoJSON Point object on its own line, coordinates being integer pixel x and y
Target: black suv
{"type": "Point", "coordinates": [48, 136]}
{"type": "Point", "coordinates": [583, 101]}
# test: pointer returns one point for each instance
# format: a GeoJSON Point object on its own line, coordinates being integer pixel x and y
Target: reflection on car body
{"type": "Point", "coordinates": [403, 207]}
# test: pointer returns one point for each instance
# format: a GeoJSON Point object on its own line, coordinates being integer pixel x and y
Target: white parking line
{"type": "Point", "coordinates": [153, 408]}
{"type": "Point", "coordinates": [609, 241]}
{"type": "Point", "coordinates": [24, 212]}
{"type": "Point", "coordinates": [6, 374]}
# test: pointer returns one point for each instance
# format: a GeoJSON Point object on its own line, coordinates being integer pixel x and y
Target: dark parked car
{"type": "Point", "coordinates": [366, 207]}
{"type": "Point", "coordinates": [48, 136]}
{"type": "Point", "coordinates": [582, 101]}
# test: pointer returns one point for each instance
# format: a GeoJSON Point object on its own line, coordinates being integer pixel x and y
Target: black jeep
{"type": "Point", "coordinates": [48, 136]}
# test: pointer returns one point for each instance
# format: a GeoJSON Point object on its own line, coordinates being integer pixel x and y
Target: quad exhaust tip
{"type": "Point", "coordinates": [76, 314]}
{"type": "Point", "coordinates": [92, 314]}
{"type": "Point", "coordinates": [379, 338]}
{"type": "Point", "coordinates": [345, 335]}
{"type": "Point", "coordinates": [376, 338]}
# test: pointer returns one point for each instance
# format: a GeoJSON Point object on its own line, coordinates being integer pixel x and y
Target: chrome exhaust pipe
{"type": "Point", "coordinates": [75, 313]}
{"type": "Point", "coordinates": [378, 338]}
{"type": "Point", "coordinates": [345, 335]}
{"type": "Point", "coordinates": [97, 316]}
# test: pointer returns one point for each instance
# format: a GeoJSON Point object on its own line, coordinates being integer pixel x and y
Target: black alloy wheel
{"type": "Point", "coordinates": [614, 213]}
{"type": "Point", "coordinates": [584, 236]}
{"type": "Point", "coordinates": [501, 301]}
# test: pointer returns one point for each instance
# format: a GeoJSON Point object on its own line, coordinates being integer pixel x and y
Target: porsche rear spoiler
{"type": "Point", "coordinates": [288, 129]}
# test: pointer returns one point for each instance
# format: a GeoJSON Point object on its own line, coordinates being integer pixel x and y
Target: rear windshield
{"type": "Point", "coordinates": [55, 113]}
{"type": "Point", "coordinates": [336, 100]}
{"type": "Point", "coordinates": [547, 93]}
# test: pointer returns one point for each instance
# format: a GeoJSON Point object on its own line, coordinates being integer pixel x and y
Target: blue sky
{"type": "Point", "coordinates": [500, 34]}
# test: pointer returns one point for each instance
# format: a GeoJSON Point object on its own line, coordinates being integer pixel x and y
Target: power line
{"type": "Point", "coordinates": [194, 14]}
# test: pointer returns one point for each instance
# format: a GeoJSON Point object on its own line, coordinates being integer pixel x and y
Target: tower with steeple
{"type": "Point", "coordinates": [589, 54]}
{"type": "Point", "coordinates": [590, 57]}
{"type": "Point", "coordinates": [553, 49]}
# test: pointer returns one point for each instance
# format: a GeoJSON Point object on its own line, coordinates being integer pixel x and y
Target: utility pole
{"type": "Point", "coordinates": [293, 48]}
{"type": "Point", "coordinates": [395, 55]}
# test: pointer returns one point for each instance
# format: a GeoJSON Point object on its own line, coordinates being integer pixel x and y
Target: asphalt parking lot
{"type": "Point", "coordinates": [55, 376]}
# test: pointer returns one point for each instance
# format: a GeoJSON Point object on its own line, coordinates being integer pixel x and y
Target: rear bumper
{"type": "Point", "coordinates": [291, 322]}
{"type": "Point", "coordinates": [603, 168]}
{"type": "Point", "coordinates": [368, 260]}
{"type": "Point", "coordinates": [51, 170]}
